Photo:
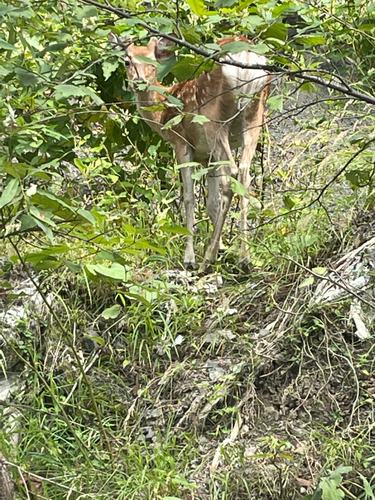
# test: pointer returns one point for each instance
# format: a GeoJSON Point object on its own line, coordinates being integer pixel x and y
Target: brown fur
{"type": "Point", "coordinates": [233, 121]}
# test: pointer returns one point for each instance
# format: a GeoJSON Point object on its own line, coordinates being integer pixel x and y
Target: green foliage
{"type": "Point", "coordinates": [329, 487]}
{"type": "Point", "coordinates": [59, 71]}
{"type": "Point", "coordinates": [89, 199]}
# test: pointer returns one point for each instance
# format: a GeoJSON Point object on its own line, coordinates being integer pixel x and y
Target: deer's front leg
{"type": "Point", "coordinates": [221, 198]}
{"type": "Point", "coordinates": [184, 155]}
{"type": "Point", "coordinates": [213, 197]}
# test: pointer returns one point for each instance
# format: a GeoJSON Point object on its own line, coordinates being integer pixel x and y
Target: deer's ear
{"type": "Point", "coordinates": [162, 51]}
{"type": "Point", "coordinates": [112, 38]}
{"type": "Point", "coordinates": [152, 44]}
{"type": "Point", "coordinates": [118, 42]}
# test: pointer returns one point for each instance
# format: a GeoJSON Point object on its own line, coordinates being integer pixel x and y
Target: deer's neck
{"type": "Point", "coordinates": [150, 98]}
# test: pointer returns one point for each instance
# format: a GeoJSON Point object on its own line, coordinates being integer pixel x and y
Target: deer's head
{"type": "Point", "coordinates": [142, 60]}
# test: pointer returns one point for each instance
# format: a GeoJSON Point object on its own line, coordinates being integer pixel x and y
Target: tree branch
{"type": "Point", "coordinates": [302, 74]}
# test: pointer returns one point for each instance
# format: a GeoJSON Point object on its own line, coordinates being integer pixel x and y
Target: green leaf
{"type": "Point", "coordinates": [189, 164]}
{"type": "Point", "coordinates": [148, 294]}
{"type": "Point", "coordinates": [48, 263]}
{"type": "Point", "coordinates": [316, 496]}
{"type": "Point", "coordinates": [279, 9]}
{"type": "Point", "coordinates": [307, 282]}
{"type": "Point", "coordinates": [238, 187]}
{"type": "Point", "coordinates": [87, 215]}
{"type": "Point", "coordinates": [358, 177]}
{"type": "Point", "coordinates": [336, 475]}
{"type": "Point", "coordinates": [42, 215]}
{"type": "Point", "coordinates": [5, 284]}
{"type": "Point", "coordinates": [289, 202]}
{"type": "Point", "coordinates": [109, 66]}
{"type": "Point", "coordinates": [311, 40]}
{"type": "Point", "coordinates": [53, 47]}
{"type": "Point", "coordinates": [276, 102]}
{"type": "Point", "coordinates": [95, 338]}
{"type": "Point", "coordinates": [65, 91]}
{"type": "Point", "coordinates": [235, 47]}
{"type": "Point", "coordinates": [308, 87]}
{"type": "Point", "coordinates": [221, 4]}
{"type": "Point", "coordinates": [191, 67]}
{"type": "Point", "coordinates": [173, 122]}
{"type": "Point", "coordinates": [26, 78]}
{"type": "Point", "coordinates": [260, 48]}
{"type": "Point", "coordinates": [46, 230]}
{"type": "Point", "coordinates": [12, 189]}
{"type": "Point", "coordinates": [281, 60]}
{"type": "Point", "coordinates": [319, 270]}
{"type": "Point", "coordinates": [162, 22]}
{"type": "Point", "coordinates": [111, 312]}
{"type": "Point", "coordinates": [201, 119]}
{"type": "Point", "coordinates": [86, 11]}
{"type": "Point", "coordinates": [131, 229]}
{"type": "Point", "coordinates": [276, 30]}
{"type": "Point", "coordinates": [173, 100]}
{"type": "Point", "coordinates": [276, 42]}
{"type": "Point", "coordinates": [254, 203]}
{"type": "Point", "coordinates": [368, 488]}
{"type": "Point", "coordinates": [27, 222]}
{"type": "Point", "coordinates": [330, 491]}
{"type": "Point", "coordinates": [198, 174]}
{"type": "Point", "coordinates": [6, 9]}
{"type": "Point", "coordinates": [138, 297]}
{"type": "Point", "coordinates": [50, 201]}
{"type": "Point", "coordinates": [134, 22]}
{"type": "Point", "coordinates": [73, 267]}
{"type": "Point", "coordinates": [175, 229]}
{"type": "Point", "coordinates": [165, 67]}
{"type": "Point", "coordinates": [23, 12]}
{"type": "Point", "coordinates": [197, 6]}
{"type": "Point", "coordinates": [94, 96]}
{"type": "Point", "coordinates": [148, 60]}
{"type": "Point", "coordinates": [146, 245]}
{"type": "Point", "coordinates": [254, 21]}
{"type": "Point", "coordinates": [367, 26]}
{"type": "Point", "coordinates": [116, 272]}
{"type": "Point", "coordinates": [6, 46]}
{"type": "Point", "coordinates": [328, 487]}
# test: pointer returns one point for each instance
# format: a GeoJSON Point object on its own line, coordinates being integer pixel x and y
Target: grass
{"type": "Point", "coordinates": [222, 387]}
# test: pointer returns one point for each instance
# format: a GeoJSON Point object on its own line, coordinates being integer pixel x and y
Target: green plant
{"type": "Point", "coordinates": [330, 486]}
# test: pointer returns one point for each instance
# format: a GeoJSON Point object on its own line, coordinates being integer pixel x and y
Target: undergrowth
{"type": "Point", "coordinates": [136, 379]}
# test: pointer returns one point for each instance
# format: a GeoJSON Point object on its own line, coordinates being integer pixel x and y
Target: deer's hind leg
{"type": "Point", "coordinates": [184, 155]}
{"type": "Point", "coordinates": [252, 127]}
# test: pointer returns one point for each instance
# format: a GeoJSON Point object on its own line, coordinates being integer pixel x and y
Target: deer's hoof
{"type": "Point", "coordinates": [205, 268]}
{"type": "Point", "coordinates": [190, 266]}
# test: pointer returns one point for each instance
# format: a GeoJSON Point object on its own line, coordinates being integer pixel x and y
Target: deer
{"type": "Point", "coordinates": [232, 101]}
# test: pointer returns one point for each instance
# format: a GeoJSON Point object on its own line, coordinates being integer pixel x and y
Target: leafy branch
{"type": "Point", "coordinates": [302, 74]}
